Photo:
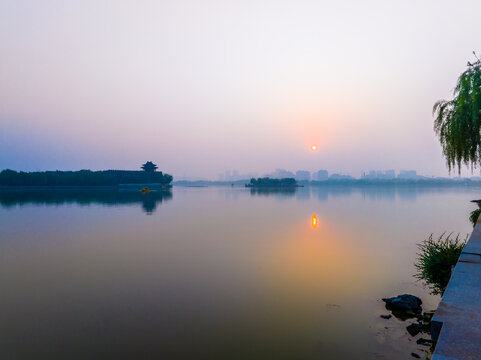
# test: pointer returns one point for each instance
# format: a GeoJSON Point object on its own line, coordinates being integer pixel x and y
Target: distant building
{"type": "Point", "coordinates": [321, 175]}
{"type": "Point", "coordinates": [281, 174]}
{"type": "Point", "coordinates": [389, 174]}
{"type": "Point", "coordinates": [379, 174]}
{"type": "Point", "coordinates": [340, 177]}
{"type": "Point", "coordinates": [407, 174]}
{"type": "Point", "coordinates": [303, 175]}
{"type": "Point", "coordinates": [370, 175]}
{"type": "Point", "coordinates": [235, 175]}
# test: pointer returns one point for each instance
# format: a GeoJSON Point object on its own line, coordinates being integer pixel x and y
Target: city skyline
{"type": "Point", "coordinates": [324, 174]}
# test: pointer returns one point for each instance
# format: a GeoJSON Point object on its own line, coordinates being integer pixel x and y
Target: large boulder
{"type": "Point", "coordinates": [404, 302]}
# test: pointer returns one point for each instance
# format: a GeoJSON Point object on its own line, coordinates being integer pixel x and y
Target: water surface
{"type": "Point", "coordinates": [209, 273]}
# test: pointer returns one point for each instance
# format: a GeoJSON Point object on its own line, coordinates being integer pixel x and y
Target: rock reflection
{"type": "Point", "coordinates": [109, 197]}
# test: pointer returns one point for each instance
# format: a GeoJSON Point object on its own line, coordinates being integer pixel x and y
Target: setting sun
{"type": "Point", "coordinates": [314, 147]}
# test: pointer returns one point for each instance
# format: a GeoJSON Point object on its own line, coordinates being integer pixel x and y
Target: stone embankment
{"type": "Point", "coordinates": [456, 325]}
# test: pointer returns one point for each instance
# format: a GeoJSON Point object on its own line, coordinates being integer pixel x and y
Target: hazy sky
{"type": "Point", "coordinates": [204, 86]}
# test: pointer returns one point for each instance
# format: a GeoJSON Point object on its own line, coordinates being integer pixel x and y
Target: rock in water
{"type": "Point", "coordinates": [425, 342]}
{"type": "Point", "coordinates": [414, 329]}
{"type": "Point", "coordinates": [404, 302]}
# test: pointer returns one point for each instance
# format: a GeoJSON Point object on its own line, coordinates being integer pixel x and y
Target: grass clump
{"type": "Point", "coordinates": [436, 258]}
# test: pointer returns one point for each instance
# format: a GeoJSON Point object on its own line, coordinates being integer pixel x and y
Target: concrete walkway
{"type": "Point", "coordinates": [457, 322]}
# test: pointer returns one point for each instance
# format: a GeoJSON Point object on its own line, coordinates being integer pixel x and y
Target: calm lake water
{"type": "Point", "coordinates": [216, 272]}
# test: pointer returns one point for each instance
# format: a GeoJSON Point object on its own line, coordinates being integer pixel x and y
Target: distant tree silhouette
{"type": "Point", "coordinates": [268, 182]}
{"type": "Point", "coordinates": [82, 178]}
{"type": "Point", "coordinates": [149, 167]}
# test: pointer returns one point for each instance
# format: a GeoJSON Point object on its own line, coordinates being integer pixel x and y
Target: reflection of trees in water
{"type": "Point", "coordinates": [109, 197]}
{"type": "Point", "coordinates": [266, 191]}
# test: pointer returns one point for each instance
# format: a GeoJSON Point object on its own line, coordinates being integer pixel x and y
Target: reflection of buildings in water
{"type": "Point", "coordinates": [108, 197]}
{"type": "Point", "coordinates": [304, 193]}
{"type": "Point", "coordinates": [402, 192]}
{"type": "Point", "coordinates": [409, 193]}
{"type": "Point", "coordinates": [332, 190]}
{"type": "Point", "coordinates": [322, 193]}
{"type": "Point", "coordinates": [389, 192]}
{"type": "Point", "coordinates": [379, 192]}
{"type": "Point", "coordinates": [229, 192]}
{"type": "Point", "coordinates": [150, 200]}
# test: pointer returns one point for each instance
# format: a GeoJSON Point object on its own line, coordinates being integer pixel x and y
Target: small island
{"type": "Point", "coordinates": [148, 176]}
{"type": "Point", "coordinates": [272, 183]}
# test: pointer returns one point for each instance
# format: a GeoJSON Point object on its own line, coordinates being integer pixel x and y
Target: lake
{"type": "Point", "coordinates": [216, 272]}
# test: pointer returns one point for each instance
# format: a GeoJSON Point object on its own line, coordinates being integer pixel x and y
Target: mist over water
{"type": "Point", "coordinates": [204, 87]}
{"type": "Point", "coordinates": [215, 272]}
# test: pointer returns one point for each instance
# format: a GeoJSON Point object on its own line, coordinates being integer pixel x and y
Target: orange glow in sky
{"type": "Point", "coordinates": [314, 221]}
{"type": "Point", "coordinates": [213, 92]}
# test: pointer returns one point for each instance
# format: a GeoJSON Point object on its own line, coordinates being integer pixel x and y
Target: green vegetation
{"type": "Point", "coordinates": [436, 259]}
{"type": "Point", "coordinates": [474, 215]}
{"type": "Point", "coordinates": [458, 121]}
{"type": "Point", "coordinates": [81, 178]}
{"type": "Point", "coordinates": [268, 182]}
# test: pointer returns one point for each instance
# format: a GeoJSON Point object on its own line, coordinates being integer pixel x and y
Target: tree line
{"type": "Point", "coordinates": [81, 178]}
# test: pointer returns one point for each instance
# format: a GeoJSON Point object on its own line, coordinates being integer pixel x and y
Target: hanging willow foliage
{"type": "Point", "coordinates": [458, 121]}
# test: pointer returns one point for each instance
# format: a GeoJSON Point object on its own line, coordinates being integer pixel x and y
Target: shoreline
{"type": "Point", "coordinates": [456, 322]}
{"type": "Point", "coordinates": [359, 183]}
